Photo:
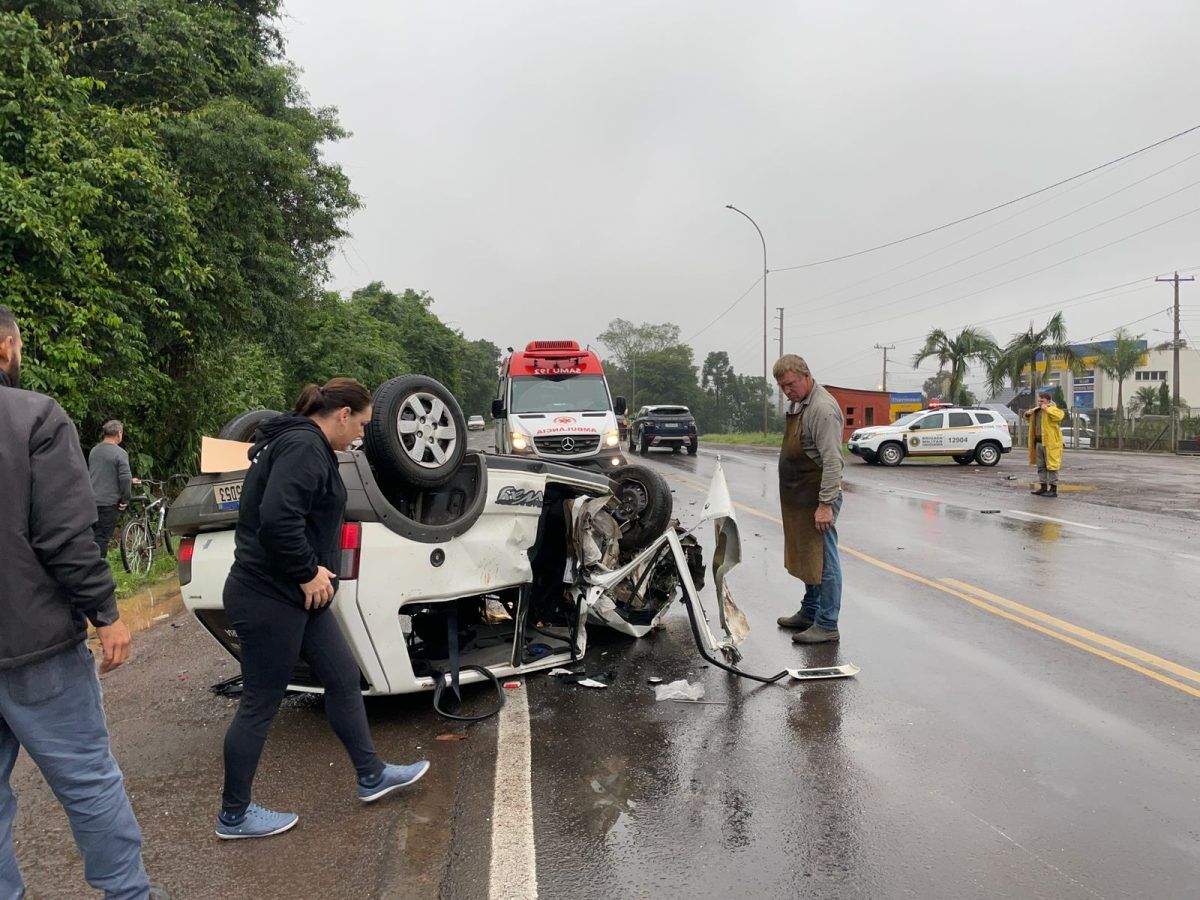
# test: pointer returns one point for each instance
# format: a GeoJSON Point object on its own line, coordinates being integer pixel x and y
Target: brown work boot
{"type": "Point", "coordinates": [816, 635]}
{"type": "Point", "coordinates": [1044, 489]}
{"type": "Point", "coordinates": [799, 620]}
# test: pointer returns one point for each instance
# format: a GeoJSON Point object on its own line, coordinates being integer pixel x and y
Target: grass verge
{"type": "Point", "coordinates": [754, 439]}
{"type": "Point", "coordinates": [129, 584]}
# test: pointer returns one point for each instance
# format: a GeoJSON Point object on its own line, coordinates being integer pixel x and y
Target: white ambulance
{"type": "Point", "coordinates": [553, 402]}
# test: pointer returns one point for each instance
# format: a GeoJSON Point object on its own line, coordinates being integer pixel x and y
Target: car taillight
{"type": "Point", "coordinates": [183, 555]}
{"type": "Point", "coordinates": [351, 547]}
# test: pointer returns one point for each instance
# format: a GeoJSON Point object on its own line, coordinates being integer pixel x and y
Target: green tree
{"type": "Point", "coordinates": [1119, 361]}
{"type": "Point", "coordinates": [98, 249]}
{"type": "Point", "coordinates": [1145, 401]}
{"type": "Point", "coordinates": [629, 343]}
{"type": "Point", "coordinates": [955, 354]}
{"type": "Point", "coordinates": [1164, 399]}
{"type": "Point", "coordinates": [480, 368]}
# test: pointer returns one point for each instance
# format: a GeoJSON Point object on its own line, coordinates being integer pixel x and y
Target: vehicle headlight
{"type": "Point", "coordinates": [612, 439]}
{"type": "Point", "coordinates": [520, 443]}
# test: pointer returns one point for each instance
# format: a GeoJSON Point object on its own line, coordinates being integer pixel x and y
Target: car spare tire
{"type": "Point", "coordinates": [645, 505]}
{"type": "Point", "coordinates": [417, 431]}
{"type": "Point", "coordinates": [242, 428]}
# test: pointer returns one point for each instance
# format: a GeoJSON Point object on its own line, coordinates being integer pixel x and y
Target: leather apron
{"type": "Point", "coordinates": [799, 496]}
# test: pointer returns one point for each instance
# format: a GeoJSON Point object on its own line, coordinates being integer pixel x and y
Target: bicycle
{"type": "Point", "coordinates": [144, 534]}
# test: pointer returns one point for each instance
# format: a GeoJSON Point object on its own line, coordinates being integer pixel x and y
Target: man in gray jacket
{"type": "Point", "coordinates": [52, 584]}
{"type": "Point", "coordinates": [108, 466]}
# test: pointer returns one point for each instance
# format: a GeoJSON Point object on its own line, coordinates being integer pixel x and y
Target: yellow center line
{"type": "Point", "coordinates": [995, 609]}
{"type": "Point", "coordinates": [1110, 643]}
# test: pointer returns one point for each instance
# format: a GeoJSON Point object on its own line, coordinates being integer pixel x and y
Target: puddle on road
{"type": "Point", "coordinates": [150, 606]}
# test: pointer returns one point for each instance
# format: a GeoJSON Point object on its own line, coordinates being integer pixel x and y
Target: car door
{"type": "Point", "coordinates": [927, 434]}
{"type": "Point", "coordinates": [961, 433]}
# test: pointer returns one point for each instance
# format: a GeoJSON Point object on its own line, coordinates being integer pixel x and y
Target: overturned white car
{"type": "Point", "coordinates": [483, 566]}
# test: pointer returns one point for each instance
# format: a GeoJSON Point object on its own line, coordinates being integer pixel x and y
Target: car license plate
{"type": "Point", "coordinates": [228, 495]}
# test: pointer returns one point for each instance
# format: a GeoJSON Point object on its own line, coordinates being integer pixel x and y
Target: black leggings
{"type": "Point", "coordinates": [274, 635]}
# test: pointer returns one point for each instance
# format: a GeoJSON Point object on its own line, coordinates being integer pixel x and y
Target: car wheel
{"type": "Point", "coordinates": [242, 428]}
{"type": "Point", "coordinates": [644, 505]}
{"type": "Point", "coordinates": [693, 449]}
{"type": "Point", "coordinates": [965, 459]}
{"type": "Point", "coordinates": [891, 454]}
{"type": "Point", "coordinates": [417, 431]}
{"type": "Point", "coordinates": [645, 446]}
{"type": "Point", "coordinates": [987, 454]}
{"type": "Point", "coordinates": [632, 445]}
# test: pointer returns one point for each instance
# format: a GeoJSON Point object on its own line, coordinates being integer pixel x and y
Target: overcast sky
{"type": "Point", "coordinates": [543, 168]}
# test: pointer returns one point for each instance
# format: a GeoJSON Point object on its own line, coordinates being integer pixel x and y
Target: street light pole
{"type": "Point", "coordinates": [766, 382]}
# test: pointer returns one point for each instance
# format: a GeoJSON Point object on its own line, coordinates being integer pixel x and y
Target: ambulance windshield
{"type": "Point", "coordinates": [576, 393]}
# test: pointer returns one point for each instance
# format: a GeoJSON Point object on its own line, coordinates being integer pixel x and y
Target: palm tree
{"type": "Point", "coordinates": [956, 354]}
{"type": "Point", "coordinates": [1119, 361]}
{"type": "Point", "coordinates": [1145, 402]}
{"type": "Point", "coordinates": [1022, 353]}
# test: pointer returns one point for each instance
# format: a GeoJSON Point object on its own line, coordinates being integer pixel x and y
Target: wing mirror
{"type": "Point", "coordinates": [498, 410]}
{"type": "Point", "coordinates": [620, 407]}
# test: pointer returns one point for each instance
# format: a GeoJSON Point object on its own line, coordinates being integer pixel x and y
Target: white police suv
{"type": "Point", "coordinates": [967, 434]}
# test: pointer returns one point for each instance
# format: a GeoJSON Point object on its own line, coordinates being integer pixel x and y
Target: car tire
{"type": "Point", "coordinates": [241, 428]}
{"type": "Point", "coordinates": [693, 449]}
{"type": "Point", "coordinates": [645, 505]}
{"type": "Point", "coordinates": [964, 459]}
{"type": "Point", "coordinates": [987, 453]}
{"type": "Point", "coordinates": [891, 454]}
{"type": "Point", "coordinates": [645, 448]}
{"type": "Point", "coordinates": [632, 445]}
{"type": "Point", "coordinates": [417, 431]}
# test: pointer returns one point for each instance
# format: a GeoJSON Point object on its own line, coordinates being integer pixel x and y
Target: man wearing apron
{"type": "Point", "coordinates": [810, 495]}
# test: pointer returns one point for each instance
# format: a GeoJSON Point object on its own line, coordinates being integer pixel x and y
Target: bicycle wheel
{"type": "Point", "coordinates": [137, 549]}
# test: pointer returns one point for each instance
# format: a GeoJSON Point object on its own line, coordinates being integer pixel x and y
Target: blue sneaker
{"type": "Point", "coordinates": [257, 822]}
{"type": "Point", "coordinates": [393, 777]}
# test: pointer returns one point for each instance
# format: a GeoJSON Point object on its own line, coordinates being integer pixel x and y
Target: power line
{"type": "Point", "coordinates": [728, 309]}
{"type": "Point", "coordinates": [1016, 278]}
{"type": "Point", "coordinates": [1001, 265]}
{"type": "Point", "coordinates": [1024, 234]}
{"type": "Point", "coordinates": [912, 237]}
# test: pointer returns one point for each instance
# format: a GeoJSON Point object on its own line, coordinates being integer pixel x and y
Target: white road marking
{"type": "Point", "coordinates": [1188, 556]}
{"type": "Point", "coordinates": [514, 863]}
{"type": "Point", "coordinates": [1021, 512]}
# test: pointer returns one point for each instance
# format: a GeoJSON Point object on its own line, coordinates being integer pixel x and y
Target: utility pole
{"type": "Point", "coordinates": [885, 348]}
{"type": "Point", "coordinates": [1175, 345]}
{"type": "Point", "coordinates": [780, 310]}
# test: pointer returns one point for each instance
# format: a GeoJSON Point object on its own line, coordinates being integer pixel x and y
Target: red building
{"type": "Point", "coordinates": [861, 408]}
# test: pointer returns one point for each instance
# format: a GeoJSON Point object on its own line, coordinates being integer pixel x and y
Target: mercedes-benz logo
{"type": "Point", "coordinates": [568, 444]}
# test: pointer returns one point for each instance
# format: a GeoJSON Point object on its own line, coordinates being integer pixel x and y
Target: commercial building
{"type": "Point", "coordinates": [1090, 388]}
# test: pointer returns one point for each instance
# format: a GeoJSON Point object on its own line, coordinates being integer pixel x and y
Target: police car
{"type": "Point", "coordinates": [966, 434]}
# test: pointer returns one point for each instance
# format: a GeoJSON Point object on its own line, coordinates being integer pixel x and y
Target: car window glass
{"type": "Point", "coordinates": [937, 420]}
{"type": "Point", "coordinates": [960, 420]}
{"type": "Point", "coordinates": [985, 418]}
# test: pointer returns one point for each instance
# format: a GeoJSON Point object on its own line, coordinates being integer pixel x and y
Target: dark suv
{"type": "Point", "coordinates": [663, 426]}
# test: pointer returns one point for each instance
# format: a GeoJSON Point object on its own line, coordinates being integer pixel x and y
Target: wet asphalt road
{"type": "Point", "coordinates": [1025, 725]}
{"type": "Point", "coordinates": [1027, 730]}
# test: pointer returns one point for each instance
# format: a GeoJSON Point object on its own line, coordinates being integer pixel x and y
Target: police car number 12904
{"type": "Point", "coordinates": [228, 496]}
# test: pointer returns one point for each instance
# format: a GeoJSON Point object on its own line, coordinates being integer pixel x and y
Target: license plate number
{"type": "Point", "coordinates": [228, 496]}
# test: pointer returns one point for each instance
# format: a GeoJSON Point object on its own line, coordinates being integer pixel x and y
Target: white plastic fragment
{"type": "Point", "coordinates": [679, 690]}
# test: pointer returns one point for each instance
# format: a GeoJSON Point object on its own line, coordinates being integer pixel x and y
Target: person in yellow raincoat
{"type": "Point", "coordinates": [1045, 444]}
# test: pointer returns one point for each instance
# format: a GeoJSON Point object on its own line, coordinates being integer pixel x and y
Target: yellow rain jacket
{"type": "Point", "coordinates": [1051, 436]}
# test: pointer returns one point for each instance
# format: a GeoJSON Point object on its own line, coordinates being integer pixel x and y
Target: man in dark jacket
{"type": "Point", "coordinates": [52, 584]}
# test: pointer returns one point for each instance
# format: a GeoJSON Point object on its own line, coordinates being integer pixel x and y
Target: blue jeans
{"type": "Point", "coordinates": [823, 602]}
{"type": "Point", "coordinates": [53, 709]}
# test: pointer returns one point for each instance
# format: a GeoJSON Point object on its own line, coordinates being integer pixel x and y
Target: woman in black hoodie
{"type": "Point", "coordinates": [278, 593]}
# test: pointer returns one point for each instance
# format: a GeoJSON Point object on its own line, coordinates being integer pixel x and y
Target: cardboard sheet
{"type": "Point", "coordinates": [218, 456]}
